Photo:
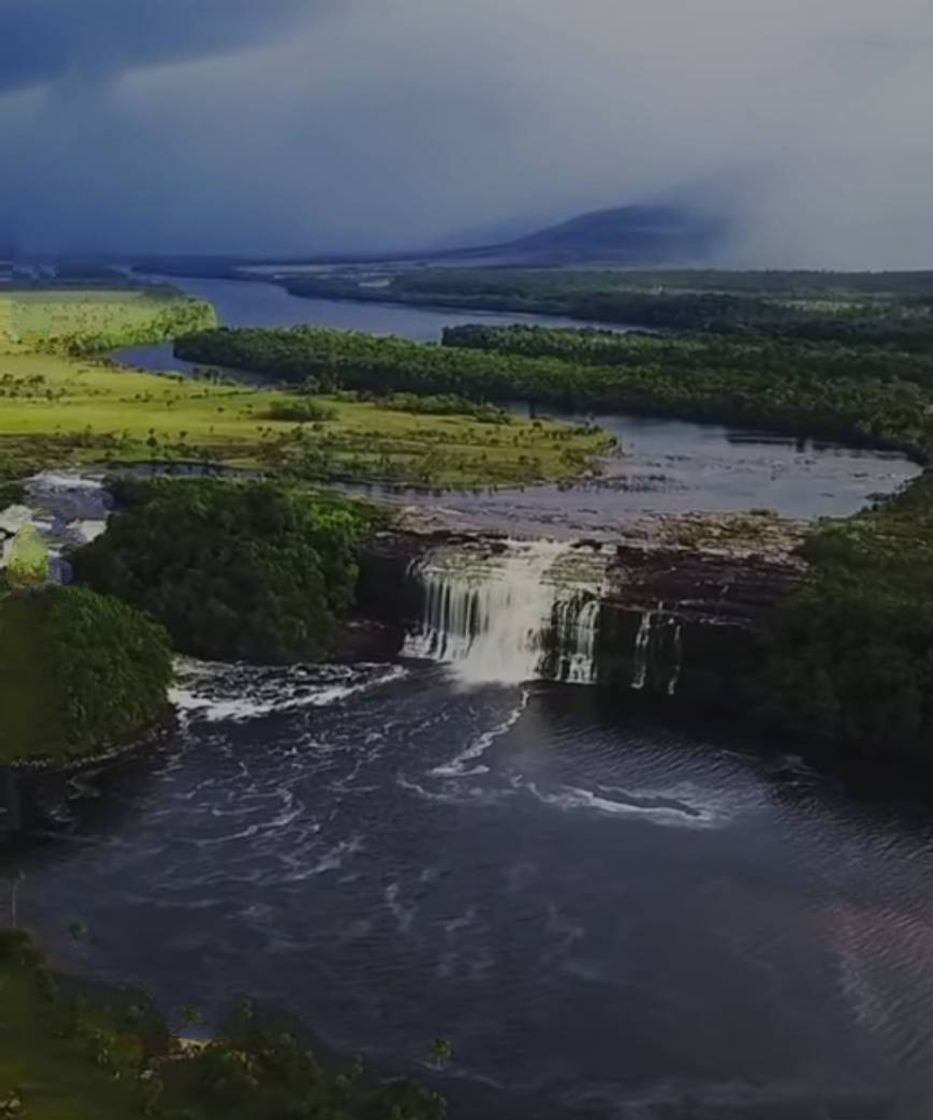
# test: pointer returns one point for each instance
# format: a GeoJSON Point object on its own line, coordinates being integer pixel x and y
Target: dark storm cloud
{"type": "Point", "coordinates": [263, 127]}
{"type": "Point", "coordinates": [42, 40]}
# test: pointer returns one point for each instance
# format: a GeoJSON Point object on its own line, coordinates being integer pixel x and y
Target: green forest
{"type": "Point", "coordinates": [58, 706]}
{"type": "Point", "coordinates": [861, 410]}
{"type": "Point", "coordinates": [849, 658]}
{"type": "Point", "coordinates": [873, 308]}
{"type": "Point", "coordinates": [235, 571]}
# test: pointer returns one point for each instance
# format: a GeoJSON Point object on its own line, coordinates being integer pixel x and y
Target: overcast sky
{"type": "Point", "coordinates": [285, 126]}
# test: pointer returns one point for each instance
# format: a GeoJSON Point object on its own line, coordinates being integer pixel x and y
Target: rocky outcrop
{"type": "Point", "coordinates": [683, 605]}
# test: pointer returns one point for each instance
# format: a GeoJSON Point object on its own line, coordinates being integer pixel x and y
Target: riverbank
{"type": "Point", "coordinates": [61, 410]}
{"type": "Point", "coordinates": [96, 1052]}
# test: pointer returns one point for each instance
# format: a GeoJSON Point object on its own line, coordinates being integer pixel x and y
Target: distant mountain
{"type": "Point", "coordinates": [625, 234]}
{"type": "Point", "coordinates": [628, 236]}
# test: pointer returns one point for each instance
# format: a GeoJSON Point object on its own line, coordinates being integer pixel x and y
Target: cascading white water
{"type": "Point", "coordinates": [512, 614]}
{"type": "Point", "coordinates": [658, 645]}
{"type": "Point", "coordinates": [576, 621]}
{"type": "Point", "coordinates": [642, 649]}
{"type": "Point", "coordinates": [678, 653]}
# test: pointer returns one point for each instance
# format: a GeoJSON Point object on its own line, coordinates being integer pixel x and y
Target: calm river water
{"type": "Point", "coordinates": [665, 466]}
{"type": "Point", "coordinates": [607, 917]}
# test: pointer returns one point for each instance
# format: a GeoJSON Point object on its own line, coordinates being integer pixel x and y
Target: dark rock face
{"type": "Point", "coordinates": [676, 619]}
{"type": "Point", "coordinates": [384, 591]}
{"type": "Point", "coordinates": [727, 587]}
{"type": "Point", "coordinates": [32, 799]}
{"type": "Point", "coordinates": [686, 622]}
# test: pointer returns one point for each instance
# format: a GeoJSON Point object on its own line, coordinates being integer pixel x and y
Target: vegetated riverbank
{"type": "Point", "coordinates": [236, 571]}
{"type": "Point", "coordinates": [81, 321]}
{"type": "Point", "coordinates": [891, 414]}
{"type": "Point", "coordinates": [878, 308]}
{"type": "Point", "coordinates": [81, 673]}
{"type": "Point", "coordinates": [92, 1052]}
{"type": "Point", "coordinates": [61, 409]}
{"type": "Point", "coordinates": [846, 655]}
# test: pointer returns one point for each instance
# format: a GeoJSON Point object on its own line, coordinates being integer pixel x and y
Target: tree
{"type": "Point", "coordinates": [29, 560]}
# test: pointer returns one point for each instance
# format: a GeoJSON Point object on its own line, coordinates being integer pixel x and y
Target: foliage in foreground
{"type": "Point", "coordinates": [849, 658]}
{"type": "Point", "coordinates": [70, 1052]}
{"type": "Point", "coordinates": [253, 570]}
{"type": "Point", "coordinates": [79, 672]}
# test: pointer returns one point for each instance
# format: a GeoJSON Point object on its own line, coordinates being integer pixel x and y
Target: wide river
{"type": "Point", "coordinates": [608, 917]}
{"type": "Point", "coordinates": [664, 466]}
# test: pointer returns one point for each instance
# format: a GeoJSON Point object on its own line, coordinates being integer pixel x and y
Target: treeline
{"type": "Point", "coordinates": [866, 411]}
{"type": "Point", "coordinates": [866, 312]}
{"type": "Point", "coordinates": [787, 356]}
{"type": "Point", "coordinates": [849, 658]}
{"type": "Point", "coordinates": [234, 571]}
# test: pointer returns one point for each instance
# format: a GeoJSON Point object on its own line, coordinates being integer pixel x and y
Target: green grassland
{"type": "Point", "coordinates": [91, 320]}
{"type": "Point", "coordinates": [60, 406]}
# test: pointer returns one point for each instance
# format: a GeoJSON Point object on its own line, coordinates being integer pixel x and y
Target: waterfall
{"type": "Point", "coordinates": [642, 648]}
{"type": "Point", "coordinates": [677, 647]}
{"type": "Point", "coordinates": [510, 612]}
{"type": "Point", "coordinates": [576, 618]}
{"type": "Point", "coordinates": [658, 645]}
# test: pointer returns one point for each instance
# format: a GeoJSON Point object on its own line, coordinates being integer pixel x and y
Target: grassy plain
{"type": "Point", "coordinates": [58, 407]}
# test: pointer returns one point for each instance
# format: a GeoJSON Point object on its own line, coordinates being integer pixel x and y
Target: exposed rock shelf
{"type": "Point", "coordinates": [673, 608]}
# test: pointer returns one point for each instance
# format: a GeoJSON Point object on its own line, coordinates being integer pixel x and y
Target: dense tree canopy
{"type": "Point", "coordinates": [250, 570]}
{"type": "Point", "coordinates": [79, 672]}
{"type": "Point", "coordinates": [860, 410]}
{"type": "Point", "coordinates": [849, 658]}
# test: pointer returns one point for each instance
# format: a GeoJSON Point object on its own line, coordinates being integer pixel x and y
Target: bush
{"type": "Point", "coordinates": [301, 412]}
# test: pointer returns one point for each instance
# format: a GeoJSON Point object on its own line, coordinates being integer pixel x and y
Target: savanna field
{"type": "Point", "coordinates": [63, 402]}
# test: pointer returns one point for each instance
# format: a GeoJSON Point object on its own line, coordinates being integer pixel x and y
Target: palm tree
{"type": "Point", "coordinates": [440, 1052]}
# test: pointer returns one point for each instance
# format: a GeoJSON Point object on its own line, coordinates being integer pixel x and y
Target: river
{"type": "Point", "coordinates": [608, 916]}
{"type": "Point", "coordinates": [664, 466]}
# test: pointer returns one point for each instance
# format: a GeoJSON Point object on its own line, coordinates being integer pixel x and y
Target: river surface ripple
{"type": "Point", "coordinates": [608, 918]}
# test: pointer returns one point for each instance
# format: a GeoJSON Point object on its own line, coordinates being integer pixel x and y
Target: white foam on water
{"type": "Point", "coordinates": [655, 808]}
{"type": "Point", "coordinates": [56, 480]}
{"type": "Point", "coordinates": [215, 692]}
{"type": "Point", "coordinates": [404, 915]}
{"type": "Point", "coordinates": [457, 767]}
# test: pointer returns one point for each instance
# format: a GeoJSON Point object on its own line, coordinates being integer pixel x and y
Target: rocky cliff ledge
{"type": "Point", "coordinates": [681, 597]}
{"type": "Point", "coordinates": [684, 599]}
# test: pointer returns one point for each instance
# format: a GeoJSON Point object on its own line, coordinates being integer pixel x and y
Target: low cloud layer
{"type": "Point", "coordinates": [300, 125]}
